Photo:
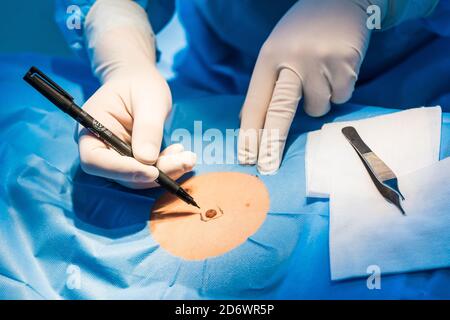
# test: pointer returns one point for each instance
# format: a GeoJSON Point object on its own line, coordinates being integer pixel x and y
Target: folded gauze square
{"type": "Point", "coordinates": [405, 141]}
{"type": "Point", "coordinates": [367, 233]}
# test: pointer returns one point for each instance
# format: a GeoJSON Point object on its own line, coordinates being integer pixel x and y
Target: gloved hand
{"type": "Point", "coordinates": [315, 52]}
{"type": "Point", "coordinates": [133, 101]}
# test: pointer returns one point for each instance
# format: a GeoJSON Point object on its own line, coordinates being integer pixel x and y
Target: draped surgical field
{"type": "Point", "coordinates": [126, 242]}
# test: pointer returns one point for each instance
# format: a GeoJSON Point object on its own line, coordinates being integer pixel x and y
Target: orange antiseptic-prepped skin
{"type": "Point", "coordinates": [179, 228]}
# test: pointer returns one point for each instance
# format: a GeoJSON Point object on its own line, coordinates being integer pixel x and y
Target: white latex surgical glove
{"type": "Point", "coordinates": [314, 52]}
{"type": "Point", "coordinates": [133, 101]}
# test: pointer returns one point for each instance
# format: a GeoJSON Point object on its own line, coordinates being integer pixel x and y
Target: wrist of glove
{"type": "Point", "coordinates": [119, 38]}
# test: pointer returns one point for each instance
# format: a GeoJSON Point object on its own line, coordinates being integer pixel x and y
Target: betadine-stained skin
{"type": "Point", "coordinates": [234, 206]}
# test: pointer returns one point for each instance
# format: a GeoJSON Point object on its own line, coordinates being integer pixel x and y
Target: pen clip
{"type": "Point", "coordinates": [36, 72]}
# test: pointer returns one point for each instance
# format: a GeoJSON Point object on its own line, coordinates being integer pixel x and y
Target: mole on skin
{"type": "Point", "coordinates": [211, 213]}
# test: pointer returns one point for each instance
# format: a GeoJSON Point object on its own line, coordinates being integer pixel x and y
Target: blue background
{"type": "Point", "coordinates": [28, 25]}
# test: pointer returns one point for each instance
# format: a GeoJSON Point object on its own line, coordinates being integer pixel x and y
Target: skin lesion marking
{"type": "Point", "coordinates": [211, 214]}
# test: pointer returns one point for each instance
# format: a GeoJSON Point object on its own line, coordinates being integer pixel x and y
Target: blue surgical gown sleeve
{"type": "Point", "coordinates": [159, 13]}
{"type": "Point", "coordinates": [403, 10]}
{"type": "Point", "coordinates": [438, 21]}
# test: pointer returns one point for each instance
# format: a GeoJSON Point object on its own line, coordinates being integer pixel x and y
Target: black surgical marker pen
{"type": "Point", "coordinates": [64, 101]}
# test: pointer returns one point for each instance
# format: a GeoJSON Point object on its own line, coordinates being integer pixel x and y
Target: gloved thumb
{"type": "Point", "coordinates": [149, 114]}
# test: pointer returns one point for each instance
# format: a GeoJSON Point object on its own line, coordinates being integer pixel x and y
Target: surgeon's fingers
{"type": "Point", "coordinates": [281, 112]}
{"type": "Point", "coordinates": [150, 109]}
{"type": "Point", "coordinates": [177, 164]}
{"type": "Point", "coordinates": [97, 159]}
{"type": "Point", "coordinates": [254, 110]}
{"type": "Point", "coordinates": [106, 106]}
{"type": "Point", "coordinates": [317, 95]}
{"type": "Point", "coordinates": [172, 149]}
{"type": "Point", "coordinates": [342, 79]}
